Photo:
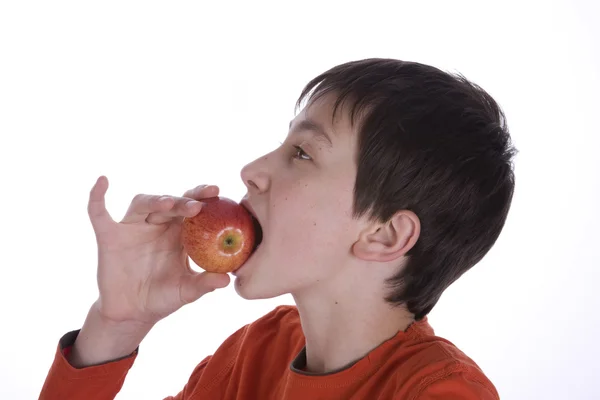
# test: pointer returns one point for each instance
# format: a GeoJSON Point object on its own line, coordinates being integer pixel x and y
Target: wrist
{"type": "Point", "coordinates": [101, 340]}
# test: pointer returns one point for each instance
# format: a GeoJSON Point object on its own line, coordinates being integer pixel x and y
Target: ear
{"type": "Point", "coordinates": [390, 240]}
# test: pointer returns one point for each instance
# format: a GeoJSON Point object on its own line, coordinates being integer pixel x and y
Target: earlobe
{"type": "Point", "coordinates": [388, 241]}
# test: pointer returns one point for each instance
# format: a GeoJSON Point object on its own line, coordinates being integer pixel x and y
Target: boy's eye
{"type": "Point", "coordinates": [300, 154]}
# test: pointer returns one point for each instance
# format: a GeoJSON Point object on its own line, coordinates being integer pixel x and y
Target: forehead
{"type": "Point", "coordinates": [320, 110]}
{"type": "Point", "coordinates": [342, 135]}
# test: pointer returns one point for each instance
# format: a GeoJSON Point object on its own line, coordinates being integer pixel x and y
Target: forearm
{"type": "Point", "coordinates": [92, 363]}
{"type": "Point", "coordinates": [101, 341]}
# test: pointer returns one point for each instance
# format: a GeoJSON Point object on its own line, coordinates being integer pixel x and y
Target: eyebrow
{"type": "Point", "coordinates": [314, 127]}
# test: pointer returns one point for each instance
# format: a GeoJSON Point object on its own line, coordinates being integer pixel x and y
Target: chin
{"type": "Point", "coordinates": [249, 290]}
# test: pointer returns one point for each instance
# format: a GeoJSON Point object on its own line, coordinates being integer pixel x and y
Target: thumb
{"type": "Point", "coordinates": [98, 214]}
{"type": "Point", "coordinates": [194, 286]}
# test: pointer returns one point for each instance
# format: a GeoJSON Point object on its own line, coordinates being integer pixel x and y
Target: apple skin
{"type": "Point", "coordinates": [220, 238]}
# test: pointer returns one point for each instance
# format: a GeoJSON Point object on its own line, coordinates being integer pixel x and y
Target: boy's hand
{"type": "Point", "coordinates": [143, 270]}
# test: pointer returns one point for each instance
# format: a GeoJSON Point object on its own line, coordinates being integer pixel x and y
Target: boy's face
{"type": "Point", "coordinates": [303, 200]}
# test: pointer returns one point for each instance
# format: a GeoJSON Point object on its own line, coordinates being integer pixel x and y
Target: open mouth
{"type": "Point", "coordinates": [258, 233]}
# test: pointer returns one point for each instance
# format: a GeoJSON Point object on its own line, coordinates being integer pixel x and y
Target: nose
{"type": "Point", "coordinates": [255, 175]}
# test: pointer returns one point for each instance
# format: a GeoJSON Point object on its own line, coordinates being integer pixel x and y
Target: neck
{"type": "Point", "coordinates": [341, 327]}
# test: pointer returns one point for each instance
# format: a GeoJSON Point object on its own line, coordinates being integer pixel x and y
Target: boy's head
{"type": "Point", "coordinates": [393, 181]}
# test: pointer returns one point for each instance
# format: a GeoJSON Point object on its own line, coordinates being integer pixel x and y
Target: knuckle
{"type": "Point", "coordinates": [180, 202]}
{"type": "Point", "coordinates": [200, 188]}
{"type": "Point", "coordinates": [138, 198]}
{"type": "Point", "coordinates": [192, 193]}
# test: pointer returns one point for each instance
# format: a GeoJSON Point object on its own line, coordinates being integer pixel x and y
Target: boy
{"type": "Point", "coordinates": [393, 181]}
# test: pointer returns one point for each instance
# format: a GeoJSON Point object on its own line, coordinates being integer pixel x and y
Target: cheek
{"type": "Point", "coordinates": [311, 228]}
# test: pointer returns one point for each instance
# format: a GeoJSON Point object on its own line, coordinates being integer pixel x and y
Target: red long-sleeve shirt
{"type": "Point", "coordinates": [265, 360]}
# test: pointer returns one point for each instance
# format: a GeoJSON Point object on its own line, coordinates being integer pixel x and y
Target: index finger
{"type": "Point", "coordinates": [202, 191]}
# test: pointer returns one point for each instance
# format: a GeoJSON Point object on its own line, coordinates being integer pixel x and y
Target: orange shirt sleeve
{"type": "Point", "coordinates": [98, 382]}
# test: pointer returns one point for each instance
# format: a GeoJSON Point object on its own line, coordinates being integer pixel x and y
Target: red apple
{"type": "Point", "coordinates": [221, 237]}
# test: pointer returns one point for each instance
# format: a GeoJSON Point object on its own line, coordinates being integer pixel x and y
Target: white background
{"type": "Point", "coordinates": [163, 96]}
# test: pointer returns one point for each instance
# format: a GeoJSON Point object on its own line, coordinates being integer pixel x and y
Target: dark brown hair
{"type": "Point", "coordinates": [433, 143]}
